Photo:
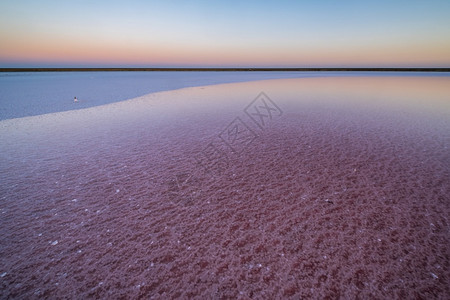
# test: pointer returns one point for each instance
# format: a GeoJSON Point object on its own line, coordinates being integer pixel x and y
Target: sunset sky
{"type": "Point", "coordinates": [186, 33]}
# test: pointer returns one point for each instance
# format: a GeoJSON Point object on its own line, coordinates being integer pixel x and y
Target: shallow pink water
{"type": "Point", "coordinates": [330, 199]}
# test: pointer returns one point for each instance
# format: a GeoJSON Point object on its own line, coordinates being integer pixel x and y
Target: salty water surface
{"type": "Point", "coordinates": [315, 188]}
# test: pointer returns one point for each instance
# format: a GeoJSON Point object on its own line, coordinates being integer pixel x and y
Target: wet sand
{"type": "Point", "coordinates": [344, 192]}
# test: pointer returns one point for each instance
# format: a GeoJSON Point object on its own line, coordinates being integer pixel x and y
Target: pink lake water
{"type": "Point", "coordinates": [318, 188]}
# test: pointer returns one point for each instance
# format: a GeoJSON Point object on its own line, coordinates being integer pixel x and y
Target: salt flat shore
{"type": "Point", "coordinates": [291, 188]}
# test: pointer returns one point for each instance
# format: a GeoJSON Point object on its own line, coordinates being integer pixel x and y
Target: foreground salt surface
{"type": "Point", "coordinates": [346, 194]}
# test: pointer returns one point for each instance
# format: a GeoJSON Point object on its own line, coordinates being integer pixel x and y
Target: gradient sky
{"type": "Point", "coordinates": [232, 33]}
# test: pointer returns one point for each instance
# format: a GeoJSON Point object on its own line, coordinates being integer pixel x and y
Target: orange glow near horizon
{"type": "Point", "coordinates": [114, 52]}
{"type": "Point", "coordinates": [193, 39]}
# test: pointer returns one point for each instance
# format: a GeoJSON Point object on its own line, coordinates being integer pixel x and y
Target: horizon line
{"type": "Point", "coordinates": [221, 69]}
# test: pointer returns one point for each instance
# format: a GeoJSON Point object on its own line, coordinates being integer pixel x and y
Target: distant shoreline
{"type": "Point", "coordinates": [225, 69]}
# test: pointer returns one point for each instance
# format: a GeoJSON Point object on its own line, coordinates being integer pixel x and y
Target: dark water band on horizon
{"type": "Point", "coordinates": [112, 69]}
